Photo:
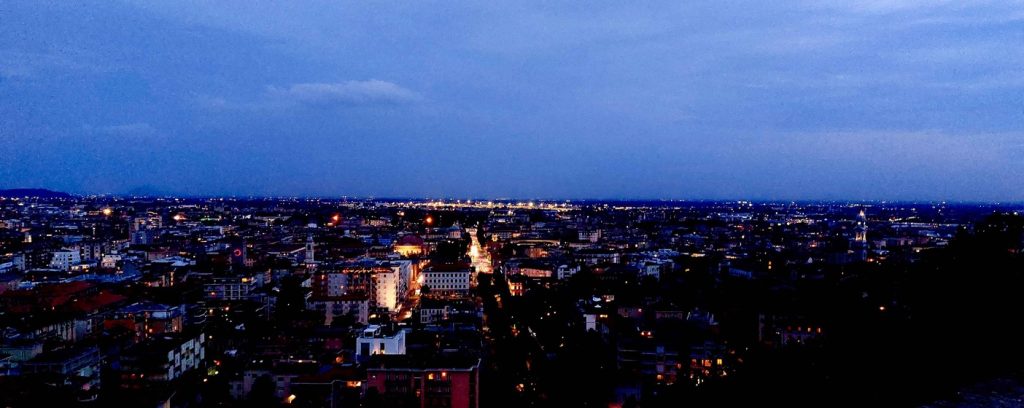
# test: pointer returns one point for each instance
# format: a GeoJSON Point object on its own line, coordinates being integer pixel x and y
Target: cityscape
{"type": "Point", "coordinates": [489, 204]}
{"type": "Point", "coordinates": [163, 301]}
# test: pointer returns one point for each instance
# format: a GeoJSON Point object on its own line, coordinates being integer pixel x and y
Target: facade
{"type": "Point", "coordinates": [147, 319]}
{"type": "Point", "coordinates": [310, 257]}
{"type": "Point", "coordinates": [859, 246]}
{"type": "Point", "coordinates": [356, 306]}
{"type": "Point", "coordinates": [110, 261]}
{"type": "Point", "coordinates": [591, 236]}
{"type": "Point", "coordinates": [162, 359]}
{"type": "Point", "coordinates": [382, 340]}
{"type": "Point", "coordinates": [231, 287]}
{"type": "Point", "coordinates": [79, 362]}
{"type": "Point", "coordinates": [448, 278]}
{"type": "Point", "coordinates": [393, 283]}
{"type": "Point", "coordinates": [447, 382]}
{"type": "Point", "coordinates": [357, 278]}
{"type": "Point", "coordinates": [66, 259]}
{"type": "Point", "coordinates": [433, 311]}
{"type": "Point", "coordinates": [410, 246]}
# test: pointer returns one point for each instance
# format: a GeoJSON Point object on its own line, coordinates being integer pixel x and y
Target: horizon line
{"type": "Point", "coordinates": [530, 199]}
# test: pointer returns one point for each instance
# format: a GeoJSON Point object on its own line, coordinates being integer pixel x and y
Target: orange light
{"type": "Point", "coordinates": [108, 211]}
{"type": "Point", "coordinates": [429, 220]}
{"type": "Point", "coordinates": [335, 217]}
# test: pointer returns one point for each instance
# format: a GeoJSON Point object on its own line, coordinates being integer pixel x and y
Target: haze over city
{"type": "Point", "coordinates": [886, 100]}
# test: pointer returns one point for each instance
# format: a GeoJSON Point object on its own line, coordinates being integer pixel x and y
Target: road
{"type": "Point", "coordinates": [480, 258]}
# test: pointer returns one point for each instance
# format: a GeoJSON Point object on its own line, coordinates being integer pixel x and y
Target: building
{"type": "Point", "coordinates": [649, 358]}
{"type": "Point", "coordinates": [435, 310]}
{"type": "Point", "coordinates": [110, 261]}
{"type": "Point", "coordinates": [22, 350]}
{"type": "Point", "coordinates": [591, 236]}
{"type": "Point", "coordinates": [79, 362]}
{"type": "Point", "coordinates": [339, 387]}
{"type": "Point", "coordinates": [449, 381]}
{"type": "Point", "coordinates": [565, 271]}
{"type": "Point", "coordinates": [64, 260]}
{"type": "Point", "coordinates": [393, 281]}
{"type": "Point", "coordinates": [859, 246]}
{"type": "Point", "coordinates": [231, 287]}
{"type": "Point", "coordinates": [356, 306]}
{"type": "Point", "coordinates": [448, 279]}
{"type": "Point", "coordinates": [374, 340]}
{"type": "Point", "coordinates": [410, 246]}
{"type": "Point", "coordinates": [281, 372]}
{"type": "Point", "coordinates": [310, 257]}
{"type": "Point", "coordinates": [148, 319]}
{"type": "Point", "coordinates": [353, 278]}
{"type": "Point", "coordinates": [162, 359]}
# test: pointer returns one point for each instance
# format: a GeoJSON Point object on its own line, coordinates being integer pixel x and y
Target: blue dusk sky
{"type": "Point", "coordinates": [856, 99]}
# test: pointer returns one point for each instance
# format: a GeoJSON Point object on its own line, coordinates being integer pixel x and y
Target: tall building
{"type": "Point", "coordinates": [310, 259]}
{"type": "Point", "coordinates": [393, 279]}
{"type": "Point", "coordinates": [238, 252]}
{"type": "Point", "coordinates": [860, 237]}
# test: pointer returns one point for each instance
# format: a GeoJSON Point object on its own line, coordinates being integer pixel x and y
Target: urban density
{"type": "Point", "coordinates": [157, 302]}
{"type": "Point", "coordinates": [491, 204]}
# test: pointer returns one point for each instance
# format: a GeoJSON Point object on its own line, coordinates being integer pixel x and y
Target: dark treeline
{"type": "Point", "coordinates": [950, 320]}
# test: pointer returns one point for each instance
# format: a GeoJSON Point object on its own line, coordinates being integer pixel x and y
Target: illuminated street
{"type": "Point", "coordinates": [481, 260]}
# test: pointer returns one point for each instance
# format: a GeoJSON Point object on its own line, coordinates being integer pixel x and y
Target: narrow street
{"type": "Point", "coordinates": [480, 259]}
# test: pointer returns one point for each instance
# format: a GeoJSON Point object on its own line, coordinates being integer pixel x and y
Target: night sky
{"type": "Point", "coordinates": [901, 100]}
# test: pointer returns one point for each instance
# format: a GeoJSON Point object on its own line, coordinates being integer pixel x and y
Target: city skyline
{"type": "Point", "coordinates": [499, 201]}
{"type": "Point", "coordinates": [869, 100]}
{"type": "Point", "coordinates": [464, 204]}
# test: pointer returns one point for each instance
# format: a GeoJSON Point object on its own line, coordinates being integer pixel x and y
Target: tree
{"type": "Point", "coordinates": [262, 393]}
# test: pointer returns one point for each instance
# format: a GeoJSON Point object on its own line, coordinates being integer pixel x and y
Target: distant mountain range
{"type": "Point", "coordinates": [33, 192]}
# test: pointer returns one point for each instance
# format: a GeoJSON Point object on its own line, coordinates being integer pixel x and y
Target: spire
{"type": "Point", "coordinates": [860, 237]}
{"type": "Point", "coordinates": [310, 251]}
{"type": "Point", "coordinates": [861, 229]}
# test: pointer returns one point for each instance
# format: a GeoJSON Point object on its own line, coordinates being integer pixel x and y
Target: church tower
{"type": "Point", "coordinates": [860, 237]}
{"type": "Point", "coordinates": [310, 259]}
{"type": "Point", "coordinates": [860, 233]}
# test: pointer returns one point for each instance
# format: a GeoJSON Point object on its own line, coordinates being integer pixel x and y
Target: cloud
{"type": "Point", "coordinates": [372, 92]}
{"type": "Point", "coordinates": [137, 129]}
{"type": "Point", "coordinates": [349, 93]}
{"type": "Point", "coordinates": [16, 64]}
{"type": "Point", "coordinates": [891, 6]}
